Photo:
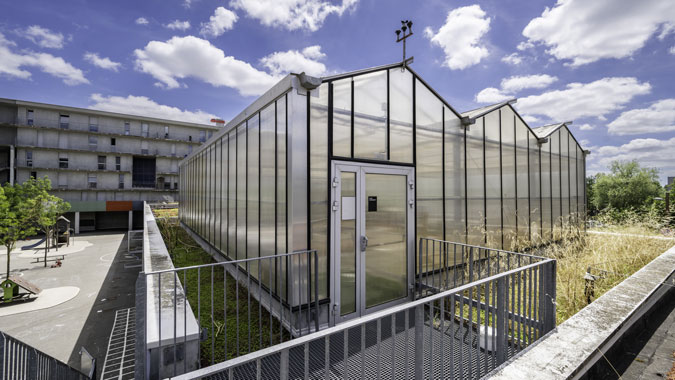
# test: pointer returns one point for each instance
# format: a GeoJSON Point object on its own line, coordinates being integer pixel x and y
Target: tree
{"type": "Point", "coordinates": [628, 185]}
{"type": "Point", "coordinates": [590, 195]}
{"type": "Point", "coordinates": [16, 217]}
{"type": "Point", "coordinates": [47, 208]}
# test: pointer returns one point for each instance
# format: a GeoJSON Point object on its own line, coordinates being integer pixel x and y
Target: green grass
{"type": "Point", "coordinates": [185, 252]}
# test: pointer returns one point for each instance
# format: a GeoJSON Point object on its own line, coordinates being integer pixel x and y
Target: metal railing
{"type": "Point", "coordinates": [464, 332]}
{"type": "Point", "coordinates": [19, 361]}
{"type": "Point", "coordinates": [443, 265]}
{"type": "Point", "coordinates": [240, 306]}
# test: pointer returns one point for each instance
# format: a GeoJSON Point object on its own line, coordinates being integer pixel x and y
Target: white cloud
{"type": "Point", "coordinates": [292, 14]}
{"type": "Point", "coordinates": [577, 100]}
{"type": "Point", "coordinates": [183, 57]}
{"type": "Point", "coordinates": [460, 37]}
{"type": "Point", "coordinates": [44, 37]}
{"type": "Point", "coordinates": [648, 152]}
{"type": "Point", "coordinates": [530, 119]}
{"type": "Point", "coordinates": [104, 63]}
{"type": "Point", "coordinates": [584, 32]}
{"type": "Point", "coordinates": [512, 59]}
{"type": "Point", "coordinates": [223, 19]}
{"type": "Point", "coordinates": [492, 95]}
{"type": "Point", "coordinates": [511, 85]}
{"type": "Point", "coordinates": [525, 45]}
{"type": "Point", "coordinates": [517, 83]}
{"type": "Point", "coordinates": [15, 64]}
{"type": "Point", "coordinates": [672, 50]}
{"type": "Point", "coordinates": [281, 63]}
{"type": "Point", "coordinates": [143, 106]}
{"type": "Point", "coordinates": [586, 127]}
{"type": "Point", "coordinates": [178, 25]}
{"type": "Point", "coordinates": [142, 21]}
{"type": "Point", "coordinates": [659, 117]}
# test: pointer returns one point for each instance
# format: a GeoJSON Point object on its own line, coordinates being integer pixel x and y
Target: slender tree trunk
{"type": "Point", "coordinates": [8, 252]}
{"type": "Point", "coordinates": [46, 245]}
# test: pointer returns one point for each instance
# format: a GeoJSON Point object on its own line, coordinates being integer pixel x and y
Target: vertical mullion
{"type": "Point", "coordinates": [484, 188]}
{"type": "Point", "coordinates": [388, 122]}
{"type": "Point", "coordinates": [443, 168]}
{"type": "Point", "coordinates": [501, 182]}
{"type": "Point", "coordinates": [351, 136]}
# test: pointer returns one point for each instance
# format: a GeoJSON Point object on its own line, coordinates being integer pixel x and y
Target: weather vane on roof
{"type": "Point", "coordinates": [406, 31]}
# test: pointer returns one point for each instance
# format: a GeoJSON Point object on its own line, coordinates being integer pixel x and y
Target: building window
{"type": "Point", "coordinates": [113, 141]}
{"type": "Point", "coordinates": [190, 138]}
{"type": "Point", "coordinates": [33, 174]}
{"type": "Point", "coordinates": [166, 131]}
{"type": "Point", "coordinates": [29, 158]}
{"type": "Point", "coordinates": [64, 121]}
{"type": "Point", "coordinates": [93, 142]}
{"type": "Point", "coordinates": [144, 129]}
{"type": "Point", "coordinates": [173, 150]}
{"type": "Point", "coordinates": [63, 162]}
{"type": "Point", "coordinates": [101, 162]}
{"type": "Point", "coordinates": [91, 181]}
{"type": "Point", "coordinates": [167, 185]}
{"type": "Point", "coordinates": [118, 163]}
{"type": "Point", "coordinates": [93, 124]}
{"type": "Point", "coordinates": [202, 136]}
{"type": "Point", "coordinates": [121, 182]}
{"type": "Point", "coordinates": [29, 117]}
{"type": "Point", "coordinates": [144, 147]}
{"type": "Point", "coordinates": [127, 128]}
{"type": "Point", "coordinates": [175, 185]}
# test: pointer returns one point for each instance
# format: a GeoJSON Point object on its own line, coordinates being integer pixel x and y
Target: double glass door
{"type": "Point", "coordinates": [373, 245]}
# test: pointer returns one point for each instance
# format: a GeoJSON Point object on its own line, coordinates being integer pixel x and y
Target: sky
{"type": "Point", "coordinates": [606, 65]}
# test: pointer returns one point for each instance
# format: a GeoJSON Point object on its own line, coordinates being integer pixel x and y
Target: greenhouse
{"type": "Point", "coordinates": [359, 167]}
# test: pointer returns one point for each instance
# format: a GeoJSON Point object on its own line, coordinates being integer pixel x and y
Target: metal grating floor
{"type": "Point", "coordinates": [448, 353]}
{"type": "Point", "coordinates": [120, 359]}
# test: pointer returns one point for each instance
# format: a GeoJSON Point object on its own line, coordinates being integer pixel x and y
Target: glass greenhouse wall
{"type": "Point", "coordinates": [371, 161]}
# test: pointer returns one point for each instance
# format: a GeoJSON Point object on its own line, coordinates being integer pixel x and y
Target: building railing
{"type": "Point", "coordinates": [21, 361]}
{"type": "Point", "coordinates": [443, 265]}
{"type": "Point", "coordinates": [464, 332]}
{"type": "Point", "coordinates": [240, 306]}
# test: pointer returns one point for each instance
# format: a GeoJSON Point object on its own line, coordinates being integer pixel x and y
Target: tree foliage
{"type": "Point", "coordinates": [628, 185]}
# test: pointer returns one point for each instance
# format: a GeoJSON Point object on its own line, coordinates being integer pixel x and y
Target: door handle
{"type": "Point", "coordinates": [364, 243]}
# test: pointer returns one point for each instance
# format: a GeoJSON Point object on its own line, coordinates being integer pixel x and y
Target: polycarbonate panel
{"type": "Point", "coordinates": [348, 246]}
{"type": "Point", "coordinates": [581, 185]}
{"type": "Point", "coordinates": [508, 176]}
{"type": "Point", "coordinates": [318, 166]}
{"type": "Point", "coordinates": [546, 191]}
{"type": "Point", "coordinates": [267, 189]}
{"type": "Point", "coordinates": [455, 213]}
{"type": "Point", "coordinates": [475, 177]}
{"type": "Point", "coordinates": [370, 116]}
{"type": "Point", "coordinates": [232, 196]}
{"type": "Point", "coordinates": [400, 111]}
{"type": "Point", "coordinates": [493, 188]}
{"type": "Point", "coordinates": [522, 178]}
{"type": "Point", "coordinates": [564, 177]}
{"type": "Point", "coordinates": [253, 192]}
{"type": "Point", "coordinates": [217, 178]}
{"type": "Point", "coordinates": [241, 191]}
{"type": "Point", "coordinates": [535, 186]}
{"type": "Point", "coordinates": [429, 169]}
{"type": "Point", "coordinates": [555, 184]}
{"type": "Point", "coordinates": [223, 194]}
{"type": "Point", "coordinates": [342, 117]}
{"type": "Point", "coordinates": [574, 201]}
{"type": "Point", "coordinates": [281, 218]}
{"type": "Point", "coordinates": [386, 255]}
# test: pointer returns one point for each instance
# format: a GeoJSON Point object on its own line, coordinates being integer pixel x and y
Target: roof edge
{"type": "Point", "coordinates": [470, 120]}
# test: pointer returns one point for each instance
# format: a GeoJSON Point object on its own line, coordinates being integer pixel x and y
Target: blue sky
{"type": "Point", "coordinates": [606, 64]}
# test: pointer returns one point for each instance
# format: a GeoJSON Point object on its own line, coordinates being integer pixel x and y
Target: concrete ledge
{"type": "Point", "coordinates": [575, 346]}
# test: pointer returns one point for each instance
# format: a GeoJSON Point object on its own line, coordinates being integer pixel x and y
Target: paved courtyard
{"type": "Point", "coordinates": [78, 301]}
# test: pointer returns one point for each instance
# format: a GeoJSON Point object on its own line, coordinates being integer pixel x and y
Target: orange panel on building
{"type": "Point", "coordinates": [118, 205]}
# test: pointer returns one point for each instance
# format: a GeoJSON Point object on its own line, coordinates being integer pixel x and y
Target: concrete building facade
{"type": "Point", "coordinates": [105, 164]}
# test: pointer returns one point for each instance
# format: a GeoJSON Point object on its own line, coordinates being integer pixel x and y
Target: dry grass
{"type": "Point", "coordinates": [165, 213]}
{"type": "Point", "coordinates": [612, 258]}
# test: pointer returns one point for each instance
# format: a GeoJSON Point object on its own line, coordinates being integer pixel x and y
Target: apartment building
{"type": "Point", "coordinates": [105, 164]}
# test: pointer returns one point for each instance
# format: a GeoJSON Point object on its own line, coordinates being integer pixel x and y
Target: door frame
{"type": "Point", "coordinates": [361, 169]}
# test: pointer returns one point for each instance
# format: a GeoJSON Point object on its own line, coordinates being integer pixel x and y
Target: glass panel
{"type": "Point", "coordinates": [370, 116]}
{"type": "Point", "coordinates": [475, 185]}
{"type": "Point", "coordinates": [342, 117]}
{"type": "Point", "coordinates": [535, 187]}
{"type": "Point", "coordinates": [546, 190]}
{"type": "Point", "coordinates": [574, 201]}
{"type": "Point", "coordinates": [348, 244]}
{"type": "Point", "coordinates": [222, 229]}
{"type": "Point", "coordinates": [318, 149]}
{"type": "Point", "coordinates": [493, 180]}
{"type": "Point", "coordinates": [455, 214]}
{"type": "Point", "coordinates": [522, 177]}
{"type": "Point", "coordinates": [232, 196]}
{"type": "Point", "coordinates": [241, 191]}
{"type": "Point", "coordinates": [253, 192]}
{"type": "Point", "coordinates": [400, 110]}
{"type": "Point", "coordinates": [509, 176]}
{"type": "Point", "coordinates": [267, 189]}
{"type": "Point", "coordinates": [281, 187]}
{"type": "Point", "coordinates": [555, 183]}
{"type": "Point", "coordinates": [581, 184]}
{"type": "Point", "coordinates": [564, 178]}
{"type": "Point", "coordinates": [217, 178]}
{"type": "Point", "coordinates": [429, 166]}
{"type": "Point", "coordinates": [386, 255]}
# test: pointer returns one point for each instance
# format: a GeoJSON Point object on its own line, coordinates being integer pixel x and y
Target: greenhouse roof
{"type": "Point", "coordinates": [546, 130]}
{"type": "Point", "coordinates": [474, 114]}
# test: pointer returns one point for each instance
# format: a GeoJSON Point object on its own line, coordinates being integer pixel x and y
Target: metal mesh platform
{"type": "Point", "coordinates": [119, 360]}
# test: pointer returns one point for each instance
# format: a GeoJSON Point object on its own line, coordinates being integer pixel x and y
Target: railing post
{"type": "Point", "coordinates": [3, 360]}
{"type": "Point", "coordinates": [501, 320]}
{"type": "Point", "coordinates": [550, 296]}
{"type": "Point", "coordinates": [419, 342]}
{"type": "Point", "coordinates": [419, 270]}
{"type": "Point", "coordinates": [141, 367]}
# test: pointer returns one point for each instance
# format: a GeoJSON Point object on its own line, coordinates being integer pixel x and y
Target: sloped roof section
{"type": "Point", "coordinates": [546, 130]}
{"type": "Point", "coordinates": [474, 114]}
